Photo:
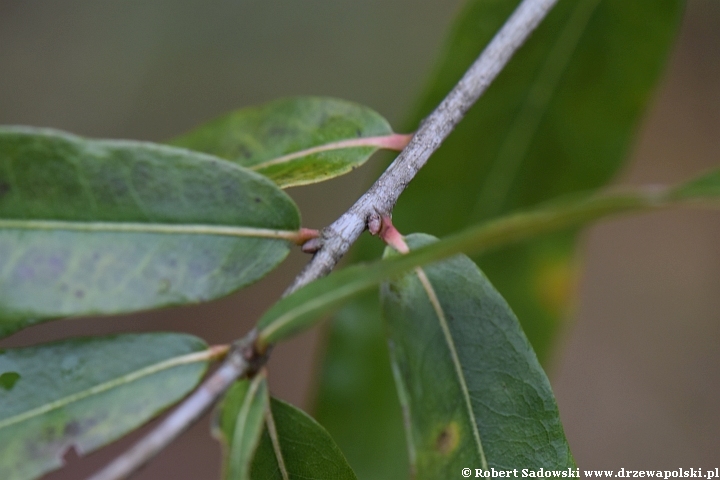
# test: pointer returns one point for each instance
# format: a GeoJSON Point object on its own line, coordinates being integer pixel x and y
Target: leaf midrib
{"type": "Point", "coordinates": [237, 449]}
{"type": "Point", "coordinates": [442, 320]}
{"type": "Point", "coordinates": [371, 142]}
{"type": "Point", "coordinates": [138, 227]}
{"type": "Point", "coordinates": [275, 441]}
{"type": "Point", "coordinates": [103, 387]}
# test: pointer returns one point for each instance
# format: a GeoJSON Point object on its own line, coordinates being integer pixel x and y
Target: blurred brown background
{"type": "Point", "coordinates": [638, 379]}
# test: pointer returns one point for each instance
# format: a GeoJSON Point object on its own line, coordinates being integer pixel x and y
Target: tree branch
{"type": "Point", "coordinates": [337, 238]}
{"type": "Point", "coordinates": [380, 199]}
{"type": "Point", "coordinates": [240, 361]}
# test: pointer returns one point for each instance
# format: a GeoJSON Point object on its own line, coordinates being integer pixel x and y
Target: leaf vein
{"type": "Point", "coordinates": [194, 357]}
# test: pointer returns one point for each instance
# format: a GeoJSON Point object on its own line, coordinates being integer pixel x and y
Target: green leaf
{"type": "Point", "coordinates": [240, 420]}
{"type": "Point", "coordinates": [559, 119]}
{"type": "Point", "coordinates": [302, 309]}
{"type": "Point", "coordinates": [472, 390]}
{"type": "Point", "coordinates": [294, 446]}
{"type": "Point", "coordinates": [296, 141]}
{"type": "Point", "coordinates": [352, 393]}
{"type": "Point", "coordinates": [109, 226]}
{"type": "Point", "coordinates": [85, 393]}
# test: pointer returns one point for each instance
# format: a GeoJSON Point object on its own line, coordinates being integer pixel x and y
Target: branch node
{"type": "Point", "coordinates": [312, 245]}
{"type": "Point", "coordinates": [245, 353]}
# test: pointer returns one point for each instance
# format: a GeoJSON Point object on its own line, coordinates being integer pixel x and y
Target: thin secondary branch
{"type": "Point", "coordinates": [377, 202]}
{"type": "Point", "coordinates": [241, 360]}
{"type": "Point", "coordinates": [382, 196]}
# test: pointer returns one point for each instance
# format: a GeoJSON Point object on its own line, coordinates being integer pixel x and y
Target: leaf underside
{"type": "Point", "coordinates": [471, 387]}
{"type": "Point", "coordinates": [106, 226]}
{"type": "Point", "coordinates": [281, 139]}
{"type": "Point", "coordinates": [85, 393]}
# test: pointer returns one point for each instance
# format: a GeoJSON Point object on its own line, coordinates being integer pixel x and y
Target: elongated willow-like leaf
{"type": "Point", "coordinates": [471, 387]}
{"type": "Point", "coordinates": [294, 446]}
{"type": "Point", "coordinates": [307, 305]}
{"type": "Point", "coordinates": [240, 423]}
{"type": "Point", "coordinates": [84, 393]}
{"type": "Point", "coordinates": [105, 226]}
{"type": "Point", "coordinates": [297, 141]}
{"type": "Point", "coordinates": [559, 119]}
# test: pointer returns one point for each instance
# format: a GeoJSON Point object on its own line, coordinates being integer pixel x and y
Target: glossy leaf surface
{"type": "Point", "coordinates": [240, 422]}
{"type": "Point", "coordinates": [106, 226]}
{"type": "Point", "coordinates": [558, 119]}
{"type": "Point", "coordinates": [471, 387]}
{"type": "Point", "coordinates": [85, 393]}
{"type": "Point", "coordinates": [302, 448]}
{"type": "Point", "coordinates": [296, 141]}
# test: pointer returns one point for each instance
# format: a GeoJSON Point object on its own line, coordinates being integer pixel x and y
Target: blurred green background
{"type": "Point", "coordinates": [638, 376]}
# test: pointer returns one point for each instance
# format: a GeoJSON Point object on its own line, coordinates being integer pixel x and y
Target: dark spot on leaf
{"type": "Point", "coordinates": [8, 380]}
{"type": "Point", "coordinates": [72, 428]}
{"type": "Point", "coordinates": [448, 439]}
{"type": "Point", "coordinates": [257, 200]}
{"type": "Point", "coordinates": [358, 132]}
{"type": "Point", "coordinates": [79, 293]}
{"type": "Point", "coordinates": [4, 189]}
